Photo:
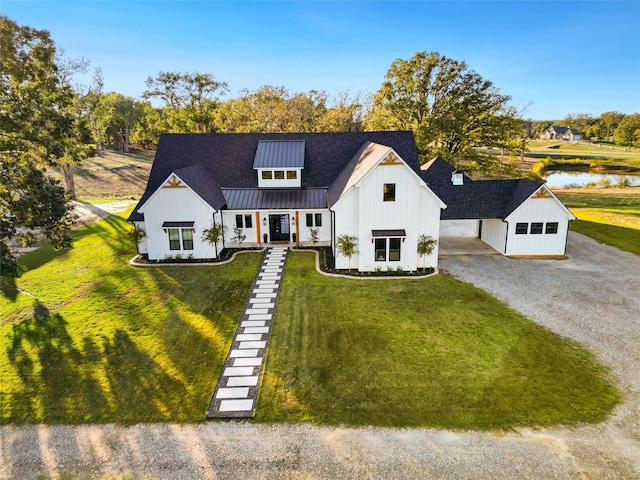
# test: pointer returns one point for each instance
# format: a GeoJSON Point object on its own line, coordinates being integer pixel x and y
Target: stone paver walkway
{"type": "Point", "coordinates": [237, 389]}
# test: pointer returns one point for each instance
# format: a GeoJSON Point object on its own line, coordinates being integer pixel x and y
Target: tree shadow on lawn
{"type": "Point", "coordinates": [56, 385]}
{"type": "Point", "coordinates": [160, 319]}
{"type": "Point", "coordinates": [102, 379]}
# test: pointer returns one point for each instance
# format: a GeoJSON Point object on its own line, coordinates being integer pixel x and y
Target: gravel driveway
{"type": "Point", "coordinates": [592, 297]}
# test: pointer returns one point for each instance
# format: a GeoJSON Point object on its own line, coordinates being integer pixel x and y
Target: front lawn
{"type": "Point", "coordinates": [84, 337]}
{"type": "Point", "coordinates": [431, 353]}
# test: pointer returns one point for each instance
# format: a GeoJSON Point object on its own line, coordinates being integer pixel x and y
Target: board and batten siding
{"type": "Point", "coordinates": [538, 210]}
{"type": "Point", "coordinates": [416, 209]}
{"type": "Point", "coordinates": [142, 246]}
{"type": "Point", "coordinates": [494, 233]}
{"type": "Point", "coordinates": [176, 205]}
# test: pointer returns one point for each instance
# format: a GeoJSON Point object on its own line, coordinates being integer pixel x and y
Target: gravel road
{"type": "Point", "coordinates": [593, 297]}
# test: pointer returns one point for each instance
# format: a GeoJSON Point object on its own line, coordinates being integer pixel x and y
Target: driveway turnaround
{"type": "Point", "coordinates": [237, 388]}
{"type": "Point", "coordinates": [592, 297]}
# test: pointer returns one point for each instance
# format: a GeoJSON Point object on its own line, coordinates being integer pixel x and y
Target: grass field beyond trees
{"type": "Point", "coordinates": [85, 338]}
{"type": "Point", "coordinates": [610, 216]}
{"type": "Point", "coordinates": [435, 352]}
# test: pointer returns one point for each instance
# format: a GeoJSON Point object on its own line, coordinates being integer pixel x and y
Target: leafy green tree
{"type": "Point", "coordinates": [426, 245]}
{"type": "Point", "coordinates": [452, 110]}
{"type": "Point", "coordinates": [608, 122]}
{"type": "Point", "coordinates": [150, 124]}
{"type": "Point", "coordinates": [39, 127]}
{"type": "Point", "coordinates": [214, 234]}
{"type": "Point", "coordinates": [347, 245]}
{"type": "Point", "coordinates": [90, 103]}
{"type": "Point", "coordinates": [628, 132]}
{"type": "Point", "coordinates": [583, 122]}
{"type": "Point", "coordinates": [118, 116]}
{"type": "Point", "coordinates": [275, 109]}
{"type": "Point", "coordinates": [190, 97]}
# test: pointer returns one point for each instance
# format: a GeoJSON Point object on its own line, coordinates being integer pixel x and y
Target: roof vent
{"type": "Point", "coordinates": [457, 178]}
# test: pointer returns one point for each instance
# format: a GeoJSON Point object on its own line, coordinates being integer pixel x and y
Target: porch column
{"type": "Point", "coordinates": [258, 230]}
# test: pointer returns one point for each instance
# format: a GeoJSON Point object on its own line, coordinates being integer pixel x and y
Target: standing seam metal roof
{"type": "Point", "coordinates": [259, 198]}
{"type": "Point", "coordinates": [279, 154]}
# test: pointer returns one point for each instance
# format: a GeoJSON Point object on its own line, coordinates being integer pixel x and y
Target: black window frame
{"type": "Point", "coordinates": [174, 244]}
{"type": "Point", "coordinates": [392, 250]}
{"type": "Point", "coordinates": [267, 175]}
{"type": "Point", "coordinates": [522, 228]}
{"type": "Point", "coordinates": [389, 192]}
{"type": "Point", "coordinates": [318, 219]}
{"type": "Point", "coordinates": [278, 175]}
{"type": "Point", "coordinates": [536, 228]}
{"type": "Point", "coordinates": [377, 249]}
{"type": "Point", "coordinates": [239, 223]}
{"type": "Point", "coordinates": [187, 244]}
{"type": "Point", "coordinates": [551, 228]}
{"type": "Point", "coordinates": [292, 175]}
{"type": "Point", "coordinates": [309, 219]}
{"type": "Point", "coordinates": [248, 223]}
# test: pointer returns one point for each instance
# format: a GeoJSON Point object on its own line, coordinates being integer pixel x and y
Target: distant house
{"type": "Point", "coordinates": [572, 135]}
{"type": "Point", "coordinates": [281, 188]}
{"type": "Point", "coordinates": [555, 132]}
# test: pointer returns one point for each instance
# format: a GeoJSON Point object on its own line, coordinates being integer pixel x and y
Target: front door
{"type": "Point", "coordinates": [279, 228]}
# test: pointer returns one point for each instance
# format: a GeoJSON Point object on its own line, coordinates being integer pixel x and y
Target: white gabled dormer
{"type": "Point", "coordinates": [279, 164]}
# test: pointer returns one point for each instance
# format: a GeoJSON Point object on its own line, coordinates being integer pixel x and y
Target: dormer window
{"type": "Point", "coordinates": [279, 164]}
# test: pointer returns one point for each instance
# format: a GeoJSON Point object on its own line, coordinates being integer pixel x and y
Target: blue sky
{"type": "Point", "coordinates": [555, 58]}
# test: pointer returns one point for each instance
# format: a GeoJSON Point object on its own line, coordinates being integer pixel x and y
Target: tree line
{"type": "Point", "coordinates": [621, 128]}
{"type": "Point", "coordinates": [49, 120]}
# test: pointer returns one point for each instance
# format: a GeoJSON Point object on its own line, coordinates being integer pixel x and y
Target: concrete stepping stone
{"type": "Point", "coordinates": [237, 388]}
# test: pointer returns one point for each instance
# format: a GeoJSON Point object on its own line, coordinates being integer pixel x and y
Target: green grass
{"type": "Point", "coordinates": [84, 337]}
{"type": "Point", "coordinates": [431, 353]}
{"type": "Point", "coordinates": [610, 216]}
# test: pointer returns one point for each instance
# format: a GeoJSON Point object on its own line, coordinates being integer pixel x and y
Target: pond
{"type": "Point", "coordinates": [566, 179]}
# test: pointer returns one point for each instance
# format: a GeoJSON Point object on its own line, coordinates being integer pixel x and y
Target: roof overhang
{"type": "Point", "coordinates": [389, 233]}
{"type": "Point", "coordinates": [177, 225]}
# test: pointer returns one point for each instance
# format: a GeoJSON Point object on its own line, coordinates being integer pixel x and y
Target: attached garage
{"type": "Point", "coordinates": [515, 217]}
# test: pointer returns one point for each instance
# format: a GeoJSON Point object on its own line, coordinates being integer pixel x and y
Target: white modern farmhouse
{"type": "Point", "coordinates": [314, 187]}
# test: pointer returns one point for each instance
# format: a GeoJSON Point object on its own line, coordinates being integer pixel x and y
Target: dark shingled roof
{"type": "Point", "coordinates": [200, 179]}
{"type": "Point", "coordinates": [476, 199]}
{"type": "Point", "coordinates": [229, 157]}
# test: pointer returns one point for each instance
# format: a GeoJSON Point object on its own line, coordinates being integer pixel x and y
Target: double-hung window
{"type": "Point", "coordinates": [248, 223]}
{"type": "Point", "coordinates": [314, 219]}
{"type": "Point", "coordinates": [187, 239]}
{"type": "Point", "coordinates": [174, 238]}
{"type": "Point", "coordinates": [381, 249]}
{"type": "Point", "coordinates": [382, 253]}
